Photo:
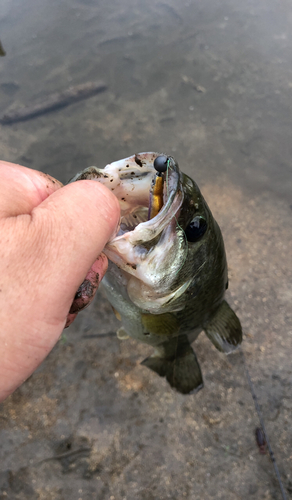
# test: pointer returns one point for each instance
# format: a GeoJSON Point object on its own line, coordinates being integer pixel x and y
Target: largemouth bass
{"type": "Point", "coordinates": [167, 270]}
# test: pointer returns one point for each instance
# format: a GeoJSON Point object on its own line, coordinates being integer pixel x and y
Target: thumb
{"type": "Point", "coordinates": [69, 230]}
{"type": "Point", "coordinates": [45, 256]}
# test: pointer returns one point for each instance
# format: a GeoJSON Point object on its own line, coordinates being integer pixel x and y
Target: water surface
{"type": "Point", "coordinates": [210, 83]}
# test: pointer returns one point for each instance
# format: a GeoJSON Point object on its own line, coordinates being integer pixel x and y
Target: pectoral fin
{"type": "Point", "coordinates": [224, 329]}
{"type": "Point", "coordinates": [177, 361]}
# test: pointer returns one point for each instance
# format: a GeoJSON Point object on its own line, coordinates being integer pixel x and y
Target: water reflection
{"type": "Point", "coordinates": [239, 126]}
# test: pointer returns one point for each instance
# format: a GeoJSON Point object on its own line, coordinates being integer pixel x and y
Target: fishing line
{"type": "Point", "coordinates": [250, 383]}
{"type": "Point", "coordinates": [259, 413]}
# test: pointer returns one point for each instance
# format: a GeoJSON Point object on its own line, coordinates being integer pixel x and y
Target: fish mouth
{"type": "Point", "coordinates": [133, 185]}
{"type": "Point", "coordinates": [149, 248]}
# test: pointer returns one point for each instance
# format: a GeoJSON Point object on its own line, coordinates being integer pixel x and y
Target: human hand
{"type": "Point", "coordinates": [50, 239]}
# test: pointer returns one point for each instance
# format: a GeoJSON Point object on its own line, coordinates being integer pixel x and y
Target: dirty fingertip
{"type": "Point", "coordinates": [99, 266]}
{"type": "Point", "coordinates": [89, 286]}
{"type": "Point", "coordinates": [70, 319]}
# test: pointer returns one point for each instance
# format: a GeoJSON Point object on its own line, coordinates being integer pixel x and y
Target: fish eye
{"type": "Point", "coordinates": [196, 229]}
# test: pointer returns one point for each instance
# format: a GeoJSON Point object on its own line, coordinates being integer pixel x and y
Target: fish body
{"type": "Point", "coordinates": [167, 272]}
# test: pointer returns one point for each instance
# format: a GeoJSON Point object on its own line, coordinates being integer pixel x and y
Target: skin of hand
{"type": "Point", "coordinates": [51, 239]}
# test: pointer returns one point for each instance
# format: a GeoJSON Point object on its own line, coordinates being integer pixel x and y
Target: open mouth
{"type": "Point", "coordinates": [147, 186]}
{"type": "Point", "coordinates": [155, 184]}
{"type": "Point", "coordinates": [148, 245]}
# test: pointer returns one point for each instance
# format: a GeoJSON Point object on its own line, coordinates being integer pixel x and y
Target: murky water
{"type": "Point", "coordinates": [211, 83]}
{"type": "Point", "coordinates": [239, 126]}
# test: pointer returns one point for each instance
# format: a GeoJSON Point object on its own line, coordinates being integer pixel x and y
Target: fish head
{"type": "Point", "coordinates": [162, 243]}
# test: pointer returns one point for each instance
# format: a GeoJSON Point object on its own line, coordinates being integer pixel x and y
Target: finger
{"type": "Point", "coordinates": [22, 189]}
{"type": "Point", "coordinates": [88, 287]}
{"type": "Point", "coordinates": [81, 218]}
{"type": "Point", "coordinates": [44, 258]}
{"type": "Point", "coordinates": [87, 290]}
{"type": "Point", "coordinates": [60, 241]}
{"type": "Point", "coordinates": [70, 319]}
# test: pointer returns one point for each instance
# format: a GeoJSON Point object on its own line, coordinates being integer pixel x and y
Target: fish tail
{"type": "Point", "coordinates": [176, 361]}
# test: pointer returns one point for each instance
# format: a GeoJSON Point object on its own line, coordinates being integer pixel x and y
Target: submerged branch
{"type": "Point", "coordinates": [53, 102]}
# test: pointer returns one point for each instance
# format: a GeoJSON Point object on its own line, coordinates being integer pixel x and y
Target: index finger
{"type": "Point", "coordinates": [22, 189]}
